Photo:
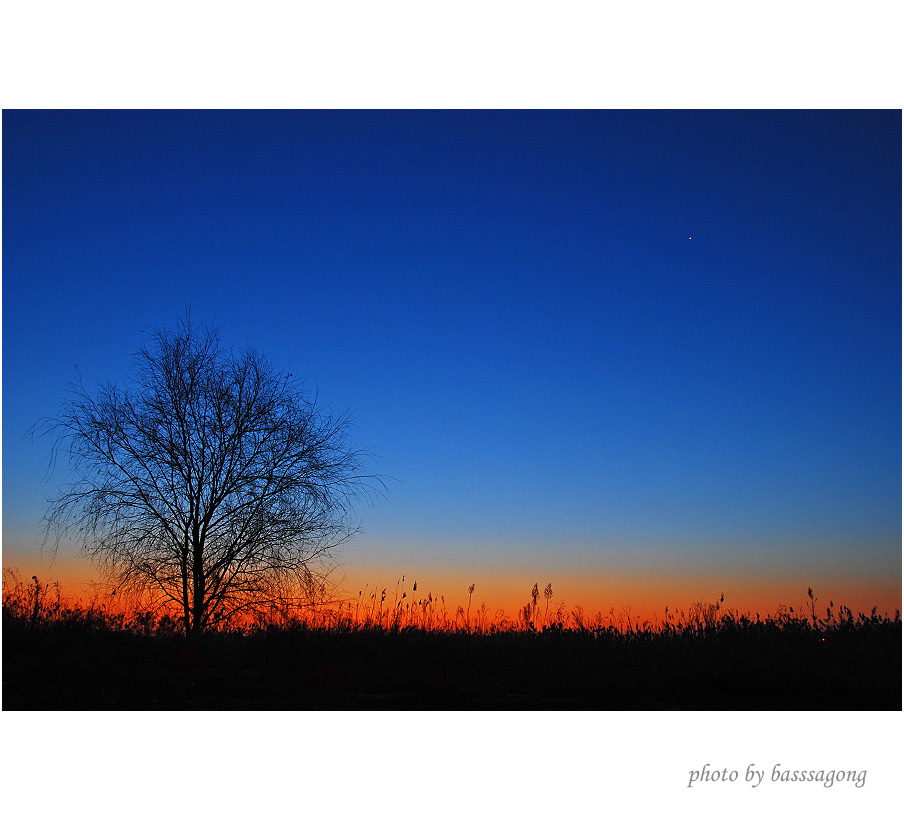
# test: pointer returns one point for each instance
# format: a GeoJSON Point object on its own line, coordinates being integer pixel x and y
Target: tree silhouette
{"type": "Point", "coordinates": [210, 482]}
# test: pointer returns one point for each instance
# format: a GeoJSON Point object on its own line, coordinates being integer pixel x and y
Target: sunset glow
{"type": "Point", "coordinates": [641, 594]}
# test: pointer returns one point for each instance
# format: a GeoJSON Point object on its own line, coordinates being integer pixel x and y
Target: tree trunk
{"type": "Point", "coordinates": [186, 609]}
{"type": "Point", "coordinates": [198, 588]}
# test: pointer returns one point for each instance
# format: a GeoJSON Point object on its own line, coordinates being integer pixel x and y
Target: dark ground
{"type": "Point", "coordinates": [733, 665]}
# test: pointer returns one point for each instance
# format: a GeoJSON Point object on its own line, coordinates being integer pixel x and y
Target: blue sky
{"type": "Point", "coordinates": [550, 370]}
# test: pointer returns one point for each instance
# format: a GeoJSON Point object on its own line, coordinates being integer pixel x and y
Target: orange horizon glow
{"type": "Point", "coordinates": [643, 595]}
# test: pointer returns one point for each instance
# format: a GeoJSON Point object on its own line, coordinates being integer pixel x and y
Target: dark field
{"type": "Point", "coordinates": [82, 659]}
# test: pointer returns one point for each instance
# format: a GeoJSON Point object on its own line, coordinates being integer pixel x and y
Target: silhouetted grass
{"type": "Point", "coordinates": [59, 656]}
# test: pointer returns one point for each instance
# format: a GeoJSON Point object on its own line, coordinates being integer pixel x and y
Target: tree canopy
{"type": "Point", "coordinates": [210, 482]}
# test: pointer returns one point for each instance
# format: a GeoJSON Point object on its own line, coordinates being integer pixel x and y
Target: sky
{"type": "Point", "coordinates": [650, 357]}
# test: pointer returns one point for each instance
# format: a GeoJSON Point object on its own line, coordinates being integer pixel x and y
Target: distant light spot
{"type": "Point", "coordinates": [690, 237]}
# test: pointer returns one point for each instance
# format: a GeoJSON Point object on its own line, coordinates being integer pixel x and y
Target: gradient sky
{"type": "Point", "coordinates": [562, 385]}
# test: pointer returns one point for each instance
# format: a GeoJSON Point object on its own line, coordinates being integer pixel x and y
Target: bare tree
{"type": "Point", "coordinates": [210, 482]}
